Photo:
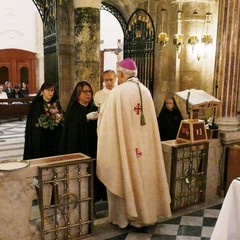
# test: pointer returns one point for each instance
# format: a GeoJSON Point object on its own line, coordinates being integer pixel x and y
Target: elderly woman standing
{"type": "Point", "coordinates": [44, 124]}
{"type": "Point", "coordinates": [169, 119]}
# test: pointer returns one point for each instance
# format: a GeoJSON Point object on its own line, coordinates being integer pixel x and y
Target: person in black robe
{"type": "Point", "coordinates": [16, 93]}
{"type": "Point", "coordinates": [24, 89]}
{"type": "Point", "coordinates": [169, 119]}
{"type": "Point", "coordinates": [80, 130]}
{"type": "Point", "coordinates": [44, 124]}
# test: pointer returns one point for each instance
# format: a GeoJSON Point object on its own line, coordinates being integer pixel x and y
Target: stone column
{"type": "Point", "coordinates": [65, 50]}
{"type": "Point", "coordinates": [87, 41]}
{"type": "Point", "coordinates": [227, 65]}
{"type": "Point", "coordinates": [226, 79]}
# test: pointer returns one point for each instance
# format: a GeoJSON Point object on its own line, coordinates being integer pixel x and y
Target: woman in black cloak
{"type": "Point", "coordinates": [169, 119]}
{"type": "Point", "coordinates": [80, 129]}
{"type": "Point", "coordinates": [44, 124]}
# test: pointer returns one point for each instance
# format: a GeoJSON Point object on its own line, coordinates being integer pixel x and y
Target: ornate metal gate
{"type": "Point", "coordinates": [188, 174]}
{"type": "Point", "coordinates": [65, 194]}
{"type": "Point", "coordinates": [139, 44]}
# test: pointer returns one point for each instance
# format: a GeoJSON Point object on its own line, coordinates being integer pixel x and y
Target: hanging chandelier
{"type": "Point", "coordinates": [193, 38]}
{"type": "Point", "coordinates": [163, 37]}
{"type": "Point", "coordinates": [207, 37]}
{"type": "Point", "coordinates": [178, 38]}
{"type": "Point", "coordinates": [178, 41]}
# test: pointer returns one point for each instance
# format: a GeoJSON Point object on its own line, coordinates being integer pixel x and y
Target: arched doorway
{"type": "Point", "coordinates": [47, 11]}
{"type": "Point", "coordinates": [138, 42]}
{"type": "Point", "coordinates": [111, 45]}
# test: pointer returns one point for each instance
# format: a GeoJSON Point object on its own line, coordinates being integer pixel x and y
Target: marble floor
{"type": "Point", "coordinates": [12, 139]}
{"type": "Point", "coordinates": [192, 223]}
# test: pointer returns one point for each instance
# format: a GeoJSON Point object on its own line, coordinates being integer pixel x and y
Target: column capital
{"type": "Point", "coordinates": [228, 124]}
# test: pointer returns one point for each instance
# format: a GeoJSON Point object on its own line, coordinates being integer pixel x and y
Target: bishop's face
{"type": "Point", "coordinates": [85, 96]}
{"type": "Point", "coordinates": [120, 77]}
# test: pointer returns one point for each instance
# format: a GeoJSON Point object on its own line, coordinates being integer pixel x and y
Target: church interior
{"type": "Point", "coordinates": [177, 45]}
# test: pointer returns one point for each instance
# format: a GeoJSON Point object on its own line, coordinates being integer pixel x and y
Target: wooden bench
{"type": "Point", "coordinates": [14, 107]}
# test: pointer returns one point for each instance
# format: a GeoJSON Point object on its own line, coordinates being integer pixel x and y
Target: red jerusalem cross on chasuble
{"type": "Point", "coordinates": [138, 108]}
{"type": "Point", "coordinates": [138, 152]}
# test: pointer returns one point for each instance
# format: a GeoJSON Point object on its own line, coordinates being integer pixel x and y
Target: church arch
{"type": "Point", "coordinates": [116, 14]}
{"type": "Point", "coordinates": [139, 41]}
{"type": "Point", "coordinates": [24, 75]}
{"type": "Point", "coordinates": [4, 74]}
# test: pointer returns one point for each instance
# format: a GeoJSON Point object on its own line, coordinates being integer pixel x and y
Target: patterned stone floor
{"type": "Point", "coordinates": [12, 139]}
{"type": "Point", "coordinates": [192, 223]}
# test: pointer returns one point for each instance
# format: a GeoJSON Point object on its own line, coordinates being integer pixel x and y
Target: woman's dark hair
{"type": "Point", "coordinates": [47, 86]}
{"type": "Point", "coordinates": [43, 87]}
{"type": "Point", "coordinates": [24, 83]}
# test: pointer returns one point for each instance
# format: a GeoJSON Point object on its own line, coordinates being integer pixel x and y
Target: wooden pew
{"type": "Point", "coordinates": [14, 107]}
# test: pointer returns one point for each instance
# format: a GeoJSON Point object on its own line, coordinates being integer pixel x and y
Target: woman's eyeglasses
{"type": "Point", "coordinates": [50, 90]}
{"type": "Point", "coordinates": [87, 91]}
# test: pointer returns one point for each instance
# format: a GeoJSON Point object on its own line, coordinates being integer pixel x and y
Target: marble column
{"type": "Point", "coordinates": [87, 41]}
{"type": "Point", "coordinates": [227, 65]}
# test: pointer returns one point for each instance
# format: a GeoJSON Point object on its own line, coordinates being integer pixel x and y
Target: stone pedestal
{"type": "Point", "coordinates": [214, 156]}
{"type": "Point", "coordinates": [228, 124]}
{"type": "Point", "coordinates": [17, 191]}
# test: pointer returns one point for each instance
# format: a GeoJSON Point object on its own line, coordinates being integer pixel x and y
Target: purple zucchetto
{"type": "Point", "coordinates": [128, 63]}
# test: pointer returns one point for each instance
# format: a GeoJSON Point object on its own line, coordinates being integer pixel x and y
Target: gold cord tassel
{"type": "Point", "coordinates": [142, 118]}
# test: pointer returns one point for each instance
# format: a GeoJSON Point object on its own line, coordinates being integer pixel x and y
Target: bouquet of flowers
{"type": "Point", "coordinates": [52, 116]}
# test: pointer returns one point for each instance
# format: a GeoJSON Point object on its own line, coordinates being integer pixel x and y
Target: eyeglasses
{"type": "Point", "coordinates": [87, 91]}
{"type": "Point", "coordinates": [50, 90]}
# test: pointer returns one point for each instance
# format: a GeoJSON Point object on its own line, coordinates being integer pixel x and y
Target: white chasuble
{"type": "Point", "coordinates": [129, 156]}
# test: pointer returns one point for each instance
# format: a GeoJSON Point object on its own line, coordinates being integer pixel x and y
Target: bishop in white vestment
{"type": "Point", "coordinates": [129, 156]}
